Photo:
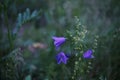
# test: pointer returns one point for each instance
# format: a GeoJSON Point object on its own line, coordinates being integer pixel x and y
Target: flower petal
{"type": "Point", "coordinates": [61, 57]}
{"type": "Point", "coordinates": [88, 54]}
{"type": "Point", "coordinates": [58, 41]}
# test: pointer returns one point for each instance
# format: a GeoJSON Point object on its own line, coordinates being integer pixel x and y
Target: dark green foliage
{"type": "Point", "coordinates": [11, 63]}
{"type": "Point", "coordinates": [7, 69]}
{"type": "Point", "coordinates": [24, 18]}
{"type": "Point", "coordinates": [29, 25]}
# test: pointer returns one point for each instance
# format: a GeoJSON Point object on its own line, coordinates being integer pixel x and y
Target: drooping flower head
{"type": "Point", "coordinates": [58, 41]}
{"type": "Point", "coordinates": [88, 54]}
{"type": "Point", "coordinates": [61, 57]}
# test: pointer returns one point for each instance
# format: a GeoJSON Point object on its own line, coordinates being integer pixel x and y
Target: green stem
{"type": "Point", "coordinates": [9, 32]}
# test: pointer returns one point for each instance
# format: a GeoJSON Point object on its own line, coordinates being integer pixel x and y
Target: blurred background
{"type": "Point", "coordinates": [33, 43]}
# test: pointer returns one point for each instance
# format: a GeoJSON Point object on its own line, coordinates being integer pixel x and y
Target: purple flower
{"type": "Point", "coordinates": [61, 57]}
{"type": "Point", "coordinates": [58, 41]}
{"type": "Point", "coordinates": [88, 54]}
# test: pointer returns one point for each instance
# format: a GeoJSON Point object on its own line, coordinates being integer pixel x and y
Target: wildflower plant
{"type": "Point", "coordinates": [81, 54]}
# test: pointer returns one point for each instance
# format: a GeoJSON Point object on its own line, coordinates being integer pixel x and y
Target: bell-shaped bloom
{"type": "Point", "coordinates": [58, 41]}
{"type": "Point", "coordinates": [88, 54]}
{"type": "Point", "coordinates": [61, 57]}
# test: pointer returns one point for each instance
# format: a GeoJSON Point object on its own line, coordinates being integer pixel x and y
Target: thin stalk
{"type": "Point", "coordinates": [9, 32]}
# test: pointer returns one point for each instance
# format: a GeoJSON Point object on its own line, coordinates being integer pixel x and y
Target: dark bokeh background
{"type": "Point", "coordinates": [102, 18]}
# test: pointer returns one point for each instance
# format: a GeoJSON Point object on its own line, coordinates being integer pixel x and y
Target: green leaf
{"type": "Point", "coordinates": [19, 19]}
{"type": "Point", "coordinates": [34, 13]}
{"type": "Point", "coordinates": [28, 77]}
{"type": "Point", "coordinates": [24, 18]}
{"type": "Point", "coordinates": [27, 13]}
